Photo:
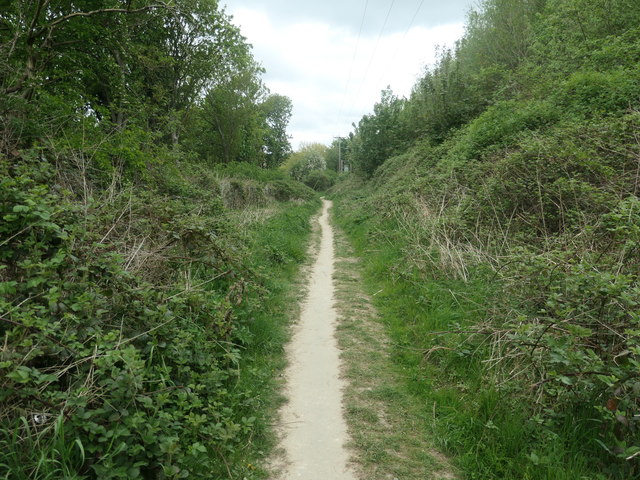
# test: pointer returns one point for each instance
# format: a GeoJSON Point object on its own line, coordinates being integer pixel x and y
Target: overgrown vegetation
{"type": "Point", "coordinates": [125, 322]}
{"type": "Point", "coordinates": [309, 165]}
{"type": "Point", "coordinates": [503, 233]}
{"type": "Point", "coordinates": [143, 270]}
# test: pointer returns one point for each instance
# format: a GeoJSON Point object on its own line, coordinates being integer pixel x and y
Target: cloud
{"type": "Point", "coordinates": [332, 75]}
{"type": "Point", "coordinates": [371, 14]}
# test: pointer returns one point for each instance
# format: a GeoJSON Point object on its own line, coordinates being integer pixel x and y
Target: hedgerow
{"type": "Point", "coordinates": [122, 340]}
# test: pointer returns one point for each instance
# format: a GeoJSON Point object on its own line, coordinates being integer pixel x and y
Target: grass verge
{"type": "Point", "coordinates": [445, 391]}
{"type": "Point", "coordinates": [278, 240]}
{"type": "Point", "coordinates": [387, 423]}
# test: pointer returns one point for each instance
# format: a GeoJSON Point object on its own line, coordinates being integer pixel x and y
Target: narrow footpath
{"type": "Point", "coordinates": [314, 434]}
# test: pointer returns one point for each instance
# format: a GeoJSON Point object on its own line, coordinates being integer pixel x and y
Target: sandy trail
{"type": "Point", "coordinates": [314, 430]}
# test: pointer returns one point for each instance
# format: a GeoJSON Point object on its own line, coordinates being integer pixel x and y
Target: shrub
{"type": "Point", "coordinates": [320, 180]}
{"type": "Point", "coordinates": [118, 316]}
{"type": "Point", "coordinates": [593, 93]}
{"type": "Point", "coordinates": [285, 190]}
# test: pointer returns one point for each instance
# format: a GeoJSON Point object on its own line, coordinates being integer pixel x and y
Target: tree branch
{"type": "Point", "coordinates": [65, 18]}
{"type": "Point", "coordinates": [34, 21]}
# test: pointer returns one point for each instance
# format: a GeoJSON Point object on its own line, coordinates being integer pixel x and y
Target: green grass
{"type": "Point", "coordinates": [387, 426]}
{"type": "Point", "coordinates": [478, 423]}
{"type": "Point", "coordinates": [277, 246]}
{"type": "Point", "coordinates": [53, 459]}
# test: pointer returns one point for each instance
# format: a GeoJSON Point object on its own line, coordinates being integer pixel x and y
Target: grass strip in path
{"type": "Point", "coordinates": [386, 423]}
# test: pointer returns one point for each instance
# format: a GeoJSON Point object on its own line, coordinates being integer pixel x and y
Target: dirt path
{"type": "Point", "coordinates": [314, 430]}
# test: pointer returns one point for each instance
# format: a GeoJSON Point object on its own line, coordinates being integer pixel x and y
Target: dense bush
{"type": "Point", "coordinates": [320, 180]}
{"type": "Point", "coordinates": [515, 213]}
{"type": "Point", "coordinates": [119, 316]}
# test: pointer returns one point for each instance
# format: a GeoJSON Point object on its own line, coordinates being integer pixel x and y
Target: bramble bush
{"type": "Point", "coordinates": [119, 319]}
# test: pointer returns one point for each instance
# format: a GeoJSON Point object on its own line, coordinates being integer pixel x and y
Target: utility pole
{"type": "Point", "coordinates": [340, 166]}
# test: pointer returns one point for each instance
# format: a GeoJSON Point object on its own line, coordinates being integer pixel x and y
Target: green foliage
{"type": "Point", "coordinates": [251, 185]}
{"type": "Point", "coordinates": [320, 180]}
{"type": "Point", "coordinates": [309, 157]}
{"type": "Point", "coordinates": [575, 33]}
{"type": "Point", "coordinates": [277, 110]}
{"type": "Point", "coordinates": [117, 74]}
{"type": "Point", "coordinates": [502, 123]}
{"type": "Point", "coordinates": [285, 190]}
{"type": "Point", "coordinates": [502, 244]}
{"type": "Point", "coordinates": [594, 93]}
{"type": "Point", "coordinates": [228, 125]}
{"type": "Point", "coordinates": [93, 344]}
{"type": "Point", "coordinates": [378, 136]}
{"type": "Point", "coordinates": [185, 77]}
{"type": "Point", "coordinates": [441, 100]}
{"type": "Point", "coordinates": [309, 165]}
{"type": "Point", "coordinates": [500, 33]}
{"type": "Point", "coordinates": [248, 171]}
{"type": "Point", "coordinates": [122, 357]}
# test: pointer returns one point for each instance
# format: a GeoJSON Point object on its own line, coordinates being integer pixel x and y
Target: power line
{"type": "Point", "coordinates": [404, 37]}
{"type": "Point", "coordinates": [353, 62]}
{"type": "Point", "coordinates": [413, 19]}
{"type": "Point", "coordinates": [375, 48]}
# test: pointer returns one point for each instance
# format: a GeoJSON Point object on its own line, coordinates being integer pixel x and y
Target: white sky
{"type": "Point", "coordinates": [332, 58]}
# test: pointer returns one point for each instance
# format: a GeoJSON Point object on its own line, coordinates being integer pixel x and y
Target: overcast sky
{"type": "Point", "coordinates": [333, 57]}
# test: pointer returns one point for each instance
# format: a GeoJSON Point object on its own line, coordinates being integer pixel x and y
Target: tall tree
{"type": "Point", "coordinates": [229, 125]}
{"type": "Point", "coordinates": [193, 48]}
{"type": "Point", "coordinates": [122, 61]}
{"type": "Point", "coordinates": [380, 135]}
{"type": "Point", "coordinates": [277, 110]}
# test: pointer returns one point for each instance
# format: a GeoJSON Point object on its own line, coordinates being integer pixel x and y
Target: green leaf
{"type": "Point", "coordinates": [566, 380]}
{"type": "Point", "coordinates": [133, 472]}
{"type": "Point", "coordinates": [8, 288]}
{"type": "Point", "coordinates": [21, 374]}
